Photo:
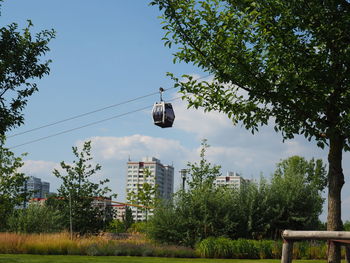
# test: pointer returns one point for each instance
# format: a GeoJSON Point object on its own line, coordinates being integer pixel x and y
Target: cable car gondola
{"type": "Point", "coordinates": [163, 113]}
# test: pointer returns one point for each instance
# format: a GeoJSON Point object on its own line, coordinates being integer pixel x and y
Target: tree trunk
{"type": "Point", "coordinates": [335, 184]}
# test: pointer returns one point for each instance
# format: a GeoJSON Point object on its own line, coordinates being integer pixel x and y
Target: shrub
{"type": "Point", "coordinates": [206, 248]}
{"type": "Point", "coordinates": [246, 248]}
{"type": "Point", "coordinates": [223, 248]}
{"type": "Point", "coordinates": [138, 227]}
{"type": "Point", "coordinates": [241, 248]}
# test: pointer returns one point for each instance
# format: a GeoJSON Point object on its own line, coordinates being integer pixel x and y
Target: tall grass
{"type": "Point", "coordinates": [138, 245]}
{"type": "Point", "coordinates": [254, 249]}
{"type": "Point", "coordinates": [60, 244]}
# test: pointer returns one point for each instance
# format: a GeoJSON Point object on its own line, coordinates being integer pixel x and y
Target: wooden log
{"type": "Point", "coordinates": [323, 235]}
{"type": "Point", "coordinates": [287, 251]}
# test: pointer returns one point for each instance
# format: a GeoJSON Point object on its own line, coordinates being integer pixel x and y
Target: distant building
{"type": "Point", "coordinates": [45, 189]}
{"type": "Point", "coordinates": [102, 203]}
{"type": "Point", "coordinates": [39, 189]}
{"type": "Point", "coordinates": [119, 211]}
{"type": "Point", "coordinates": [231, 179]}
{"type": "Point", "coordinates": [161, 175]}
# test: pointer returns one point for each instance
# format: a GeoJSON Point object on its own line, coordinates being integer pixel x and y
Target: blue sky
{"type": "Point", "coordinates": [110, 51]}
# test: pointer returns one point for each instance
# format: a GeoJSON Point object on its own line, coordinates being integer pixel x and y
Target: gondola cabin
{"type": "Point", "coordinates": [163, 114]}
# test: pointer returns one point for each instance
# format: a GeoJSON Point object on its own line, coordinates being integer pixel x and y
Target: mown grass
{"type": "Point", "coordinates": [23, 258]}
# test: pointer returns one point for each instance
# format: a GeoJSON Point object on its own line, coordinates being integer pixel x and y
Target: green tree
{"type": "Point", "coordinates": [296, 194]}
{"type": "Point", "coordinates": [80, 196]}
{"type": "Point", "coordinates": [20, 63]}
{"type": "Point", "coordinates": [285, 60]}
{"type": "Point", "coordinates": [116, 226]}
{"type": "Point", "coordinates": [255, 209]}
{"type": "Point", "coordinates": [128, 219]}
{"type": "Point", "coordinates": [202, 211]}
{"type": "Point", "coordinates": [202, 173]}
{"type": "Point", "coordinates": [347, 225]}
{"type": "Point", "coordinates": [36, 218]}
{"type": "Point", "coordinates": [146, 194]}
{"type": "Point", "coordinates": [122, 226]}
{"type": "Point", "coordinates": [12, 192]}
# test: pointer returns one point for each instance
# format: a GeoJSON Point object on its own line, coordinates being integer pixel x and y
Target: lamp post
{"type": "Point", "coordinates": [183, 173]}
{"type": "Point", "coordinates": [70, 215]}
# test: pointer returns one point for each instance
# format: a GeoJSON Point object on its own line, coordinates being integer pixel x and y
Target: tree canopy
{"type": "Point", "coordinates": [81, 199]}
{"type": "Point", "coordinates": [285, 60]}
{"type": "Point", "coordinates": [255, 210]}
{"type": "Point", "coordinates": [12, 192]}
{"type": "Point", "coordinates": [20, 63]}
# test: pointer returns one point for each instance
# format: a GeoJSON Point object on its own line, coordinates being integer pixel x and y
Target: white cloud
{"type": "Point", "coordinates": [198, 122]}
{"type": "Point", "coordinates": [135, 146]}
{"type": "Point", "coordinates": [32, 167]}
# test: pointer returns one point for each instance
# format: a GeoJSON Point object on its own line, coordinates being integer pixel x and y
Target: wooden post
{"type": "Point", "coordinates": [289, 236]}
{"type": "Point", "coordinates": [287, 251]}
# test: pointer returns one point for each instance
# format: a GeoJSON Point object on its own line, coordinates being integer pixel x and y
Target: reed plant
{"type": "Point", "coordinates": [61, 244]}
{"type": "Point", "coordinates": [257, 249]}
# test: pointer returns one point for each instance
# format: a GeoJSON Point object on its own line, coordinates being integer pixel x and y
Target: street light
{"type": "Point", "coordinates": [183, 173]}
{"type": "Point", "coordinates": [70, 215]}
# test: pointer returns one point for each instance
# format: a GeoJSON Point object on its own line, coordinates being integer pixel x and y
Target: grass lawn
{"type": "Point", "coordinates": [20, 258]}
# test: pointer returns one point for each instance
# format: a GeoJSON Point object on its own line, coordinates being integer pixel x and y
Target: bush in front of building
{"type": "Point", "coordinates": [36, 218]}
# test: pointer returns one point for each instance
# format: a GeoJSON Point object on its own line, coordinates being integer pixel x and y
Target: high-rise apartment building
{"type": "Point", "coordinates": [40, 189]}
{"type": "Point", "coordinates": [159, 174]}
{"type": "Point", "coordinates": [231, 179]}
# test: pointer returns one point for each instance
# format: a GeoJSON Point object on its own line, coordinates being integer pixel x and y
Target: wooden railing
{"type": "Point", "coordinates": [290, 236]}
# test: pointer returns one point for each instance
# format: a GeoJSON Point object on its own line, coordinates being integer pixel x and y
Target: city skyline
{"type": "Point", "coordinates": [112, 52]}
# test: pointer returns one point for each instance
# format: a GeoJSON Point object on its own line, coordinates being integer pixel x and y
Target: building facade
{"type": "Point", "coordinates": [40, 189]}
{"type": "Point", "coordinates": [159, 174]}
{"type": "Point", "coordinates": [232, 179]}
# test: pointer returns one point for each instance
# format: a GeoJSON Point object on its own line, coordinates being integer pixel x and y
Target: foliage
{"type": "Point", "coordinates": [138, 227]}
{"type": "Point", "coordinates": [122, 226]}
{"type": "Point", "coordinates": [202, 211]}
{"type": "Point", "coordinates": [256, 210]}
{"type": "Point", "coordinates": [12, 192]}
{"type": "Point", "coordinates": [146, 194]}
{"type": "Point", "coordinates": [262, 249]}
{"type": "Point", "coordinates": [254, 249]}
{"type": "Point", "coordinates": [60, 244]}
{"type": "Point", "coordinates": [296, 194]}
{"type": "Point", "coordinates": [36, 218]}
{"type": "Point", "coordinates": [116, 226]}
{"type": "Point", "coordinates": [282, 60]}
{"type": "Point", "coordinates": [347, 225]}
{"type": "Point", "coordinates": [77, 191]}
{"type": "Point", "coordinates": [128, 219]}
{"type": "Point", "coordinates": [290, 58]}
{"type": "Point", "coordinates": [202, 173]}
{"type": "Point", "coordinates": [20, 63]}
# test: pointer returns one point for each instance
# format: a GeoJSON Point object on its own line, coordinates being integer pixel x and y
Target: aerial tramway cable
{"type": "Point", "coordinates": [84, 126]}
{"type": "Point", "coordinates": [92, 112]}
